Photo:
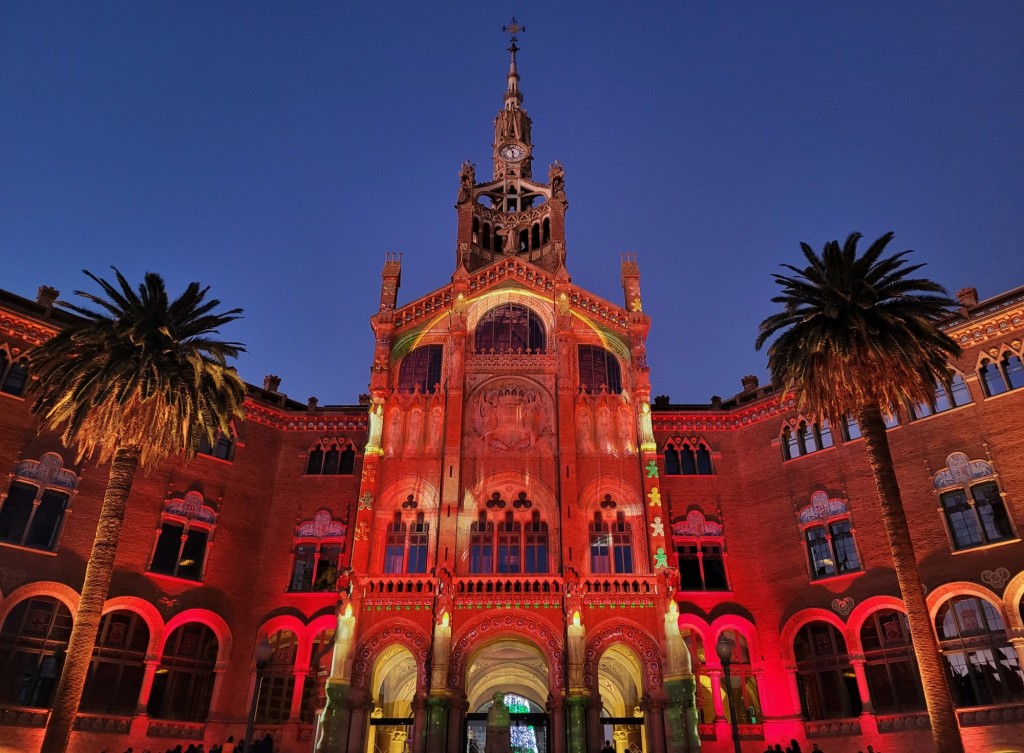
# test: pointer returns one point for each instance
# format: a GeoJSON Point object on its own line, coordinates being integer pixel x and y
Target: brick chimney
{"type": "Point", "coordinates": [311, 404]}
{"type": "Point", "coordinates": [271, 382]}
{"type": "Point", "coordinates": [967, 296]}
{"type": "Point", "coordinates": [749, 383]}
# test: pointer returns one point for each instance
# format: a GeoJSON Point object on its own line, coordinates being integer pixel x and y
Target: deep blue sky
{"type": "Point", "coordinates": [277, 151]}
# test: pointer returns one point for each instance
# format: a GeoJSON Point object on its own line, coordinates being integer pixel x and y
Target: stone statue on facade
{"type": "Point", "coordinates": [499, 727]}
{"type": "Point", "coordinates": [467, 179]}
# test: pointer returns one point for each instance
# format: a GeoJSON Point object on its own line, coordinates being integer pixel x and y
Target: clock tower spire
{"type": "Point", "coordinates": [512, 147]}
{"type": "Point", "coordinates": [512, 214]}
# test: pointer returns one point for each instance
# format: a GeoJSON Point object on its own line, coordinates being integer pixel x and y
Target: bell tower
{"type": "Point", "coordinates": [512, 215]}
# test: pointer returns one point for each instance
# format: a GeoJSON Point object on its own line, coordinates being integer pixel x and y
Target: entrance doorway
{"type": "Point", "coordinates": [518, 670]}
{"type": "Point", "coordinates": [622, 718]}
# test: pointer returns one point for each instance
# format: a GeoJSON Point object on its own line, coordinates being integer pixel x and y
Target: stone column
{"type": "Point", "coordinates": [397, 743]}
{"type": "Point", "coordinates": [556, 713]}
{"type": "Point", "coordinates": [655, 723]}
{"type": "Point", "coordinates": [438, 720]}
{"type": "Point", "coordinates": [595, 736]}
{"type": "Point", "coordinates": [295, 712]}
{"type": "Point", "coordinates": [419, 724]}
{"type": "Point", "coordinates": [716, 694]}
{"type": "Point", "coordinates": [620, 739]}
{"type": "Point", "coordinates": [457, 707]}
{"type": "Point", "coordinates": [147, 685]}
{"type": "Point", "coordinates": [358, 725]}
{"type": "Point", "coordinates": [576, 722]}
{"type": "Point", "coordinates": [862, 684]}
{"type": "Point", "coordinates": [795, 707]}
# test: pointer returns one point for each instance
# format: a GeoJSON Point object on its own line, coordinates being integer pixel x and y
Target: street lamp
{"type": "Point", "coordinates": [263, 653]}
{"type": "Point", "coordinates": [724, 649]}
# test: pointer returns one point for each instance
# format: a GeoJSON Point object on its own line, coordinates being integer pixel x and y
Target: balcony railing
{"type": "Point", "coordinates": [176, 730]}
{"type": "Point", "coordinates": [1005, 714]}
{"type": "Point", "coordinates": [23, 717]}
{"type": "Point", "coordinates": [902, 722]}
{"type": "Point", "coordinates": [829, 727]}
{"type": "Point", "coordinates": [104, 723]}
{"type": "Point", "coordinates": [501, 584]}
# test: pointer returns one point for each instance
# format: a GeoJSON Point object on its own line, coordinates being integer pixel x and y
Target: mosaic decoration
{"type": "Point", "coordinates": [995, 579]}
{"type": "Point", "coordinates": [960, 470]}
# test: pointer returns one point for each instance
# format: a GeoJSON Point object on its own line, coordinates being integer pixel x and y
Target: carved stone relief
{"type": "Point", "coordinates": [605, 425]}
{"type": "Point", "coordinates": [510, 415]}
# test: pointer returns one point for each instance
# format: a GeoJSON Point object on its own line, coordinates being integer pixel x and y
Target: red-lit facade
{"type": "Point", "coordinates": [511, 510]}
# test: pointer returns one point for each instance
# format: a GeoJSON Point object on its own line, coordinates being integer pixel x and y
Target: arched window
{"type": "Point", "coordinates": [687, 458]}
{"type": "Point", "coordinates": [314, 696]}
{"type": "Point", "coordinates": [826, 681]}
{"type": "Point", "coordinates": [330, 458]}
{"type": "Point", "coordinates": [32, 512]}
{"type": "Point", "coordinates": [186, 528]}
{"type": "Point", "coordinates": [510, 328]}
{"type": "Point", "coordinates": [948, 395]}
{"type": "Point", "coordinates": [407, 540]}
{"type": "Point", "coordinates": [535, 236]}
{"type": "Point", "coordinates": [972, 505]}
{"type": "Point", "coordinates": [13, 374]}
{"type": "Point", "coordinates": [743, 688]}
{"type": "Point", "coordinates": [803, 438]}
{"type": "Point", "coordinates": [893, 681]}
{"type": "Point", "coordinates": [517, 544]}
{"type": "Point", "coordinates": [33, 642]}
{"type": "Point", "coordinates": [611, 544]}
{"type": "Point", "coordinates": [421, 368]}
{"type": "Point", "coordinates": [319, 545]}
{"type": "Point", "coordinates": [536, 545]}
{"type": "Point", "coordinates": [487, 236]}
{"type": "Point", "coordinates": [277, 682]}
{"type": "Point", "coordinates": [1013, 370]}
{"type": "Point", "coordinates": [982, 667]}
{"type": "Point", "coordinates": [118, 664]}
{"type": "Point", "coordinates": [599, 368]}
{"type": "Point", "coordinates": [991, 378]}
{"type": "Point", "coordinates": [546, 230]}
{"type": "Point", "coordinates": [184, 680]}
{"type": "Point", "coordinates": [476, 230]}
{"type": "Point", "coordinates": [700, 547]}
{"type": "Point", "coordinates": [829, 537]}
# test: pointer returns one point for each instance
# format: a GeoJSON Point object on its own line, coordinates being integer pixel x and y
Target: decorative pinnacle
{"type": "Point", "coordinates": [512, 29]}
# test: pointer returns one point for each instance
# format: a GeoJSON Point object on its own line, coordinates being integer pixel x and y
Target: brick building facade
{"type": "Point", "coordinates": [510, 511]}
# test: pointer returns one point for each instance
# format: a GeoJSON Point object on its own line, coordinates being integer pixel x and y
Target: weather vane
{"type": "Point", "coordinates": [512, 29]}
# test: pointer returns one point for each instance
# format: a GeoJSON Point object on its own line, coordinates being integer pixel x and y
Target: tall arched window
{"type": "Point", "coordinates": [744, 690]}
{"type": "Point", "coordinates": [331, 457]}
{"type": "Point", "coordinates": [973, 506]}
{"type": "Point", "coordinates": [611, 544]}
{"type": "Point", "coordinates": [700, 547]}
{"type": "Point", "coordinates": [687, 458]}
{"type": "Point", "coordinates": [510, 328]}
{"type": "Point", "coordinates": [949, 394]}
{"type": "Point", "coordinates": [599, 368]}
{"type": "Point", "coordinates": [118, 664]}
{"type": "Point", "coordinates": [829, 537]}
{"type": "Point", "coordinates": [481, 545]}
{"type": "Point", "coordinates": [826, 681]}
{"type": "Point", "coordinates": [184, 680]}
{"type": "Point", "coordinates": [33, 641]}
{"type": "Point", "coordinates": [277, 682]}
{"type": "Point", "coordinates": [319, 545]}
{"type": "Point", "coordinates": [803, 438]}
{"type": "Point", "coordinates": [186, 528]}
{"type": "Point", "coordinates": [33, 510]}
{"type": "Point", "coordinates": [421, 369]}
{"type": "Point", "coordinates": [516, 543]}
{"type": "Point", "coordinates": [889, 663]}
{"type": "Point", "coordinates": [407, 540]}
{"type": "Point", "coordinates": [982, 667]}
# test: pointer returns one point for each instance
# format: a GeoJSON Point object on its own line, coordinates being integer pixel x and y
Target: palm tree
{"type": "Point", "coordinates": [132, 383]}
{"type": "Point", "coordinates": [857, 335]}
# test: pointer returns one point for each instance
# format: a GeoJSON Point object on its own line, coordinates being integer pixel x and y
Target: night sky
{"type": "Point", "coordinates": [276, 151]}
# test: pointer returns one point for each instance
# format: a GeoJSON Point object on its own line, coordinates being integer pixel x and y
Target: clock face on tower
{"type": "Point", "coordinates": [512, 153]}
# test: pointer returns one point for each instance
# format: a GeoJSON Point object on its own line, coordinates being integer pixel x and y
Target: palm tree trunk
{"type": "Point", "coordinates": [94, 593]}
{"type": "Point", "coordinates": [941, 713]}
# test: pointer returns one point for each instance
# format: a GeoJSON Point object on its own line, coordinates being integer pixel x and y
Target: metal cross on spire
{"type": "Point", "coordinates": [512, 30]}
